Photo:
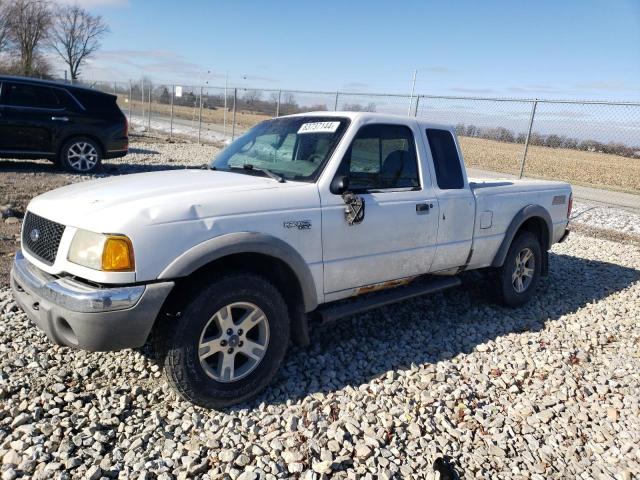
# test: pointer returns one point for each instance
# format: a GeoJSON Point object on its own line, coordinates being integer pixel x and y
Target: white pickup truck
{"type": "Point", "coordinates": [310, 216]}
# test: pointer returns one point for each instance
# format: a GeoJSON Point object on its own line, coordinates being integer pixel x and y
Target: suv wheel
{"type": "Point", "coordinates": [228, 343]}
{"type": "Point", "coordinates": [80, 155]}
{"type": "Point", "coordinates": [520, 274]}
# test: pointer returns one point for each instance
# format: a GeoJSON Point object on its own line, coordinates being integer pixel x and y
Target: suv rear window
{"type": "Point", "coordinates": [97, 102]}
{"type": "Point", "coordinates": [32, 96]}
{"type": "Point", "coordinates": [445, 159]}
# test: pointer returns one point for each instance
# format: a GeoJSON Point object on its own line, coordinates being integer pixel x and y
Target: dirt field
{"type": "Point", "coordinates": [244, 120]}
{"type": "Point", "coordinates": [585, 168]}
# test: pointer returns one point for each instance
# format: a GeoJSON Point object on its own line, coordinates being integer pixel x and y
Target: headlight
{"type": "Point", "coordinates": [111, 253]}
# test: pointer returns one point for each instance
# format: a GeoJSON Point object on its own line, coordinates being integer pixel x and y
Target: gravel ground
{"type": "Point", "coordinates": [605, 217]}
{"type": "Point", "coordinates": [550, 390]}
{"type": "Point", "coordinates": [546, 391]}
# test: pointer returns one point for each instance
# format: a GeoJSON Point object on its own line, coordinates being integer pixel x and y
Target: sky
{"type": "Point", "coordinates": [570, 49]}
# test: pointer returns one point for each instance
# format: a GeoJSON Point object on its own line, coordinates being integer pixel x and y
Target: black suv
{"type": "Point", "coordinates": [73, 126]}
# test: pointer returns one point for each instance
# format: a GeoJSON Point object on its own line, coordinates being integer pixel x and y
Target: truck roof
{"type": "Point", "coordinates": [374, 116]}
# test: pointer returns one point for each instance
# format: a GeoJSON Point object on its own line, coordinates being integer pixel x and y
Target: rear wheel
{"type": "Point", "coordinates": [80, 155]}
{"type": "Point", "coordinates": [229, 341]}
{"type": "Point", "coordinates": [520, 274]}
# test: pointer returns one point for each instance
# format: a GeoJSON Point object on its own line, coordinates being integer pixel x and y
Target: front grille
{"type": "Point", "coordinates": [41, 237]}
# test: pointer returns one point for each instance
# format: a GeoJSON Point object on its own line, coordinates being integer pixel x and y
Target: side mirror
{"type": "Point", "coordinates": [339, 184]}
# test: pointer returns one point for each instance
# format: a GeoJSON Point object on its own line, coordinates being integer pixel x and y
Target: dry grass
{"type": "Point", "coordinates": [586, 168]}
{"type": "Point", "coordinates": [244, 120]}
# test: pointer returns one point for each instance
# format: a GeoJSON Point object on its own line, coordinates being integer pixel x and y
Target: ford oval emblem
{"type": "Point", "coordinates": [34, 235]}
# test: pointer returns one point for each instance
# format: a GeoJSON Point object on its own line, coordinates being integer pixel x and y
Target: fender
{"type": "Point", "coordinates": [522, 216]}
{"type": "Point", "coordinates": [245, 242]}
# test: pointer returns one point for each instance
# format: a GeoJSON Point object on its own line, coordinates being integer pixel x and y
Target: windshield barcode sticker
{"type": "Point", "coordinates": [319, 127]}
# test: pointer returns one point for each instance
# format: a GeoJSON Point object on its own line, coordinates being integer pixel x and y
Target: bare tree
{"type": "Point", "coordinates": [4, 27]}
{"type": "Point", "coordinates": [252, 96]}
{"type": "Point", "coordinates": [27, 22]}
{"type": "Point", "coordinates": [76, 35]}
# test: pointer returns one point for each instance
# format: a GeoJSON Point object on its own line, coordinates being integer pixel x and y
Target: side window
{"type": "Point", "coordinates": [382, 157]}
{"type": "Point", "coordinates": [445, 159]}
{"type": "Point", "coordinates": [34, 96]}
{"type": "Point", "coordinates": [65, 100]}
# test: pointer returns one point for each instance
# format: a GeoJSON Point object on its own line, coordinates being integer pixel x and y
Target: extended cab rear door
{"type": "Point", "coordinates": [457, 202]}
{"type": "Point", "coordinates": [396, 236]}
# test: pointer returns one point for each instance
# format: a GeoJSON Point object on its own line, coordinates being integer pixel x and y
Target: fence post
{"type": "Point", "coordinates": [335, 105]}
{"type": "Point", "coordinates": [278, 103]}
{"type": "Point", "coordinates": [415, 112]}
{"type": "Point", "coordinates": [233, 124]}
{"type": "Point", "coordinates": [224, 114]}
{"type": "Point", "coordinates": [173, 92]}
{"type": "Point", "coordinates": [149, 119]}
{"type": "Point", "coordinates": [200, 116]}
{"type": "Point", "coordinates": [526, 142]}
{"type": "Point", "coordinates": [130, 101]}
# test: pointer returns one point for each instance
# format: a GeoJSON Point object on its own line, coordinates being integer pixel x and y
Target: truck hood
{"type": "Point", "coordinates": [156, 197]}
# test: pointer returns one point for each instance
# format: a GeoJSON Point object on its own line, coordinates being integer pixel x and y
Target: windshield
{"type": "Point", "coordinates": [293, 148]}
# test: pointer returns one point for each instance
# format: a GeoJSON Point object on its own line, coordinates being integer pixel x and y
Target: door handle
{"type": "Point", "coordinates": [60, 119]}
{"type": "Point", "coordinates": [423, 208]}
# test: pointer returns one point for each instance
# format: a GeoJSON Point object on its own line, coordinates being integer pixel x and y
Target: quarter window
{"type": "Point", "coordinates": [382, 157]}
{"type": "Point", "coordinates": [445, 159]}
{"type": "Point", "coordinates": [33, 96]}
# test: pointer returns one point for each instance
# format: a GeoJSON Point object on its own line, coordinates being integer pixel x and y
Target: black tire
{"type": "Point", "coordinates": [69, 160]}
{"type": "Point", "coordinates": [181, 341]}
{"type": "Point", "coordinates": [508, 288]}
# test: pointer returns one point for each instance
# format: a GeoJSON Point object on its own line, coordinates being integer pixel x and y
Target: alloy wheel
{"type": "Point", "coordinates": [82, 156]}
{"type": "Point", "coordinates": [233, 342]}
{"type": "Point", "coordinates": [524, 269]}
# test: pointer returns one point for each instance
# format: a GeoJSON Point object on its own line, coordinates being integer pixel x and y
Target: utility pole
{"type": "Point", "coordinates": [413, 88]}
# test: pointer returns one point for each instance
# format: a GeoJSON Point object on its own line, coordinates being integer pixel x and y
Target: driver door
{"type": "Point", "coordinates": [396, 238]}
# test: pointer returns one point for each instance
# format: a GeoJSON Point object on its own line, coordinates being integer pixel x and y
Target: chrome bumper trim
{"type": "Point", "coordinates": [71, 294]}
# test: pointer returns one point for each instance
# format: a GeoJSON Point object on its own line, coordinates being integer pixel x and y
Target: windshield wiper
{"type": "Point", "coordinates": [275, 176]}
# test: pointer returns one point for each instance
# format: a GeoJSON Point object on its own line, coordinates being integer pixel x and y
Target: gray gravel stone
{"type": "Point", "coordinates": [9, 474]}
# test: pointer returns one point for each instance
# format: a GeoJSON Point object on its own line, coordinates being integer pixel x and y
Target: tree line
{"type": "Point", "coordinates": [249, 101]}
{"type": "Point", "coordinates": [552, 140]}
{"type": "Point", "coordinates": [30, 30]}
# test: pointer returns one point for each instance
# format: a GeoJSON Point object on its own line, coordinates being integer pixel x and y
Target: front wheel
{"type": "Point", "coordinates": [520, 274]}
{"type": "Point", "coordinates": [80, 155]}
{"type": "Point", "coordinates": [229, 341]}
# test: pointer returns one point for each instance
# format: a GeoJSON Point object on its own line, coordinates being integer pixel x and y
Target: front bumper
{"type": "Point", "coordinates": [84, 316]}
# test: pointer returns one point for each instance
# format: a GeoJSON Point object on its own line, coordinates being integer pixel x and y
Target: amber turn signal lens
{"type": "Point", "coordinates": [117, 255]}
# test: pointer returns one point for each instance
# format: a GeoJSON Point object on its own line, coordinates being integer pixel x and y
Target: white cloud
{"type": "Point", "coordinates": [160, 65]}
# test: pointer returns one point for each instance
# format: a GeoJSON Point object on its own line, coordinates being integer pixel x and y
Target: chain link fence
{"type": "Point", "coordinates": [591, 143]}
